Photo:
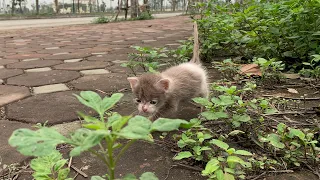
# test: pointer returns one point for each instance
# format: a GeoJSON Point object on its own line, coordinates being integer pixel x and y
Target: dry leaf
{"type": "Point", "coordinates": [251, 69]}
{"type": "Point", "coordinates": [291, 90]}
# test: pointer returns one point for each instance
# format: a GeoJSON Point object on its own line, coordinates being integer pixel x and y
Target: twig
{"type": "Point", "coordinates": [290, 86]}
{"type": "Point", "coordinates": [168, 172]}
{"type": "Point", "coordinates": [79, 171]}
{"type": "Point", "coordinates": [187, 166]}
{"type": "Point", "coordinates": [291, 112]}
{"type": "Point", "coordinates": [70, 161]}
{"type": "Point", "coordinates": [281, 171]}
{"type": "Point", "coordinates": [306, 99]}
{"type": "Point", "coordinates": [101, 91]}
{"type": "Point", "coordinates": [259, 176]}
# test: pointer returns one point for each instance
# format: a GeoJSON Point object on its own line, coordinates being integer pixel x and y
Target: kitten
{"type": "Point", "coordinates": [158, 94]}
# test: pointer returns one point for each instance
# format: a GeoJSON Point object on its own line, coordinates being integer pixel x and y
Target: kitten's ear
{"type": "Point", "coordinates": [133, 81]}
{"type": "Point", "coordinates": [163, 84]}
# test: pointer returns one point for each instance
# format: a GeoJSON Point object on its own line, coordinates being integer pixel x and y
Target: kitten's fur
{"type": "Point", "coordinates": [157, 94]}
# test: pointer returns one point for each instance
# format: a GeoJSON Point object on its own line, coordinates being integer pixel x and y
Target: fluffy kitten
{"type": "Point", "coordinates": [157, 94]}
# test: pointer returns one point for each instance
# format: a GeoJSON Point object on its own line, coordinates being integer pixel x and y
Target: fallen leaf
{"type": "Point", "coordinates": [291, 90]}
{"type": "Point", "coordinates": [251, 69]}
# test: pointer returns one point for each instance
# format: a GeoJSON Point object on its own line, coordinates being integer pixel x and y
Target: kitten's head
{"type": "Point", "coordinates": [149, 91]}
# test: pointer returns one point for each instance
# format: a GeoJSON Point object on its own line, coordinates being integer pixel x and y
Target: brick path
{"type": "Point", "coordinates": [40, 69]}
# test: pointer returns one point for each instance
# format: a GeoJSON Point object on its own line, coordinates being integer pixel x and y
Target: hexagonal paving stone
{"type": "Point", "coordinates": [9, 154]}
{"type": "Point", "coordinates": [83, 65]}
{"type": "Point", "coordinates": [43, 78]}
{"type": "Point", "coordinates": [54, 107]}
{"type": "Point", "coordinates": [67, 56]}
{"type": "Point", "coordinates": [7, 61]}
{"type": "Point", "coordinates": [108, 82]}
{"type": "Point", "coordinates": [6, 73]}
{"type": "Point", "coordinates": [108, 57]}
{"type": "Point", "coordinates": [10, 94]}
{"type": "Point", "coordinates": [33, 64]}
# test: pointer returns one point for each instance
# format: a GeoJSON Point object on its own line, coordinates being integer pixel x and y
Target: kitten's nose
{"type": "Point", "coordinates": [144, 109]}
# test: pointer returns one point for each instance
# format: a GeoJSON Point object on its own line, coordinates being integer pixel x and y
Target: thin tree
{"type": "Point", "coordinates": [13, 5]}
{"type": "Point", "coordinates": [37, 7]}
{"type": "Point", "coordinates": [56, 3]}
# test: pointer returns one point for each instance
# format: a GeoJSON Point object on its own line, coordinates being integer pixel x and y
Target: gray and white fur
{"type": "Point", "coordinates": [157, 94]}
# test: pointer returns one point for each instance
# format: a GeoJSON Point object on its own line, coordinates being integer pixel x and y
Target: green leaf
{"type": "Point", "coordinates": [211, 167]}
{"type": "Point", "coordinates": [90, 99]}
{"type": "Point", "coordinates": [228, 176]}
{"type": "Point", "coordinates": [229, 170]}
{"type": "Point", "coordinates": [220, 144]}
{"type": "Point", "coordinates": [148, 176]}
{"type": "Point", "coordinates": [235, 159]}
{"type": "Point", "coordinates": [214, 115]}
{"type": "Point", "coordinates": [97, 178]}
{"type": "Point", "coordinates": [243, 153]}
{"type": "Point", "coordinates": [84, 139]}
{"type": "Point", "coordinates": [296, 132]}
{"type": "Point", "coordinates": [183, 155]}
{"type": "Point", "coordinates": [274, 140]}
{"type": "Point", "coordinates": [36, 143]}
{"type": "Point", "coordinates": [164, 124]}
{"type": "Point", "coordinates": [281, 127]}
{"type": "Point", "coordinates": [63, 174]}
{"type": "Point", "coordinates": [235, 132]}
{"type": "Point", "coordinates": [44, 164]}
{"type": "Point", "coordinates": [130, 177]}
{"type": "Point", "coordinates": [219, 174]}
{"type": "Point", "coordinates": [202, 101]}
{"type": "Point", "coordinates": [138, 127]}
{"type": "Point", "coordinates": [59, 164]}
{"type": "Point", "coordinates": [241, 118]}
{"type": "Point", "coordinates": [109, 102]}
{"type": "Point", "coordinates": [230, 151]}
{"type": "Point", "coordinates": [119, 123]}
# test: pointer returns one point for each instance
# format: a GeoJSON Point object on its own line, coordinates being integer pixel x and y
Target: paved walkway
{"type": "Point", "coordinates": [40, 69]}
{"type": "Point", "coordinates": [36, 23]}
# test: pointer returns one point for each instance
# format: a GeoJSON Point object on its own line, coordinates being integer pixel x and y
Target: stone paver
{"type": "Point", "coordinates": [10, 94]}
{"type": "Point", "coordinates": [50, 88]}
{"type": "Point", "coordinates": [83, 65]}
{"type": "Point", "coordinates": [43, 69]}
{"type": "Point", "coordinates": [53, 107]}
{"type": "Point", "coordinates": [108, 82]}
{"type": "Point", "coordinates": [43, 78]}
{"type": "Point", "coordinates": [6, 73]}
{"type": "Point", "coordinates": [94, 71]}
{"type": "Point", "coordinates": [7, 61]}
{"type": "Point", "coordinates": [33, 64]}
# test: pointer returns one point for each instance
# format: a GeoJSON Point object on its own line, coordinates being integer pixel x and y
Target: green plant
{"type": "Point", "coordinates": [314, 69]}
{"type": "Point", "coordinates": [294, 145]}
{"type": "Point", "coordinates": [103, 131]}
{"type": "Point", "coordinates": [287, 30]}
{"type": "Point", "coordinates": [101, 20]}
{"type": "Point", "coordinates": [228, 69]}
{"type": "Point", "coordinates": [270, 69]}
{"type": "Point", "coordinates": [147, 58]}
{"type": "Point", "coordinates": [50, 167]}
{"type": "Point", "coordinates": [144, 16]}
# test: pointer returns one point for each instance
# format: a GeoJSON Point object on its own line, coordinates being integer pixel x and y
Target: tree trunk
{"type": "Point", "coordinates": [161, 5]}
{"type": "Point", "coordinates": [37, 6]}
{"type": "Point", "coordinates": [126, 10]}
{"type": "Point", "coordinates": [78, 7]}
{"type": "Point", "coordinates": [73, 8]}
{"type": "Point", "coordinates": [98, 8]}
{"type": "Point", "coordinates": [13, 7]}
{"type": "Point", "coordinates": [134, 8]}
{"type": "Point", "coordinates": [21, 12]}
{"type": "Point", "coordinates": [57, 6]}
{"type": "Point", "coordinates": [174, 5]}
{"type": "Point", "coordinates": [119, 8]}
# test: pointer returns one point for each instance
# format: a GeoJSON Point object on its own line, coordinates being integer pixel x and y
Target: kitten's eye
{"type": "Point", "coordinates": [138, 100]}
{"type": "Point", "coordinates": [153, 102]}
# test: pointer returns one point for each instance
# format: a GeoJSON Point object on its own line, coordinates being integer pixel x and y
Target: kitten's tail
{"type": "Point", "coordinates": [196, 56]}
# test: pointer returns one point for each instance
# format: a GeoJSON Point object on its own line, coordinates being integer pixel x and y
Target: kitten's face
{"type": "Point", "coordinates": [149, 93]}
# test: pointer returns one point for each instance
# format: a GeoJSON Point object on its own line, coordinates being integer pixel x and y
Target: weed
{"type": "Point", "coordinates": [314, 69]}
{"type": "Point", "coordinates": [101, 20]}
{"type": "Point", "coordinates": [144, 16]}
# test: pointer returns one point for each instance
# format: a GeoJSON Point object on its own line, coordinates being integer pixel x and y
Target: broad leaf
{"type": "Point", "coordinates": [148, 176]}
{"type": "Point", "coordinates": [220, 144]}
{"type": "Point", "coordinates": [109, 102]}
{"type": "Point", "coordinates": [296, 132]}
{"type": "Point", "coordinates": [219, 174]}
{"type": "Point", "coordinates": [84, 139]}
{"type": "Point", "coordinates": [129, 177]}
{"type": "Point", "coordinates": [235, 159]}
{"type": "Point", "coordinates": [214, 115]}
{"type": "Point", "coordinates": [235, 132]}
{"type": "Point", "coordinates": [243, 153]}
{"type": "Point", "coordinates": [183, 155]}
{"type": "Point", "coordinates": [211, 167]}
{"type": "Point", "coordinates": [202, 101]}
{"type": "Point", "coordinates": [36, 143]}
{"type": "Point", "coordinates": [163, 124]}
{"type": "Point", "coordinates": [97, 178]}
{"type": "Point", "coordinates": [138, 127]}
{"type": "Point", "coordinates": [274, 140]}
{"type": "Point", "coordinates": [90, 99]}
{"type": "Point", "coordinates": [241, 118]}
{"type": "Point", "coordinates": [228, 176]}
